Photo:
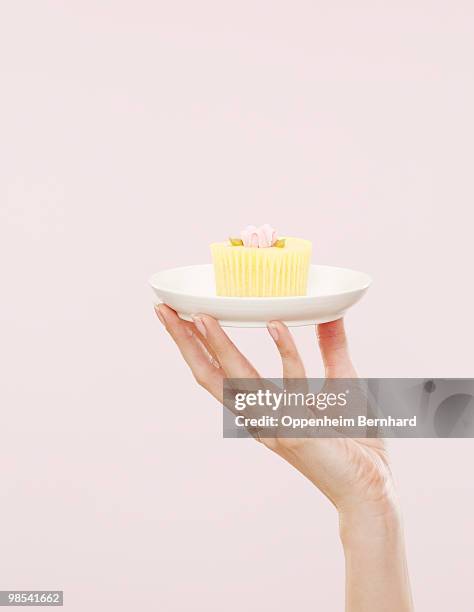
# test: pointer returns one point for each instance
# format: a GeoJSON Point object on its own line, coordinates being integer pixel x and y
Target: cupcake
{"type": "Point", "coordinates": [261, 264]}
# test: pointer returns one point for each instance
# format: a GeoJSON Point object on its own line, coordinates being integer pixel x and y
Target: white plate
{"type": "Point", "coordinates": [191, 290]}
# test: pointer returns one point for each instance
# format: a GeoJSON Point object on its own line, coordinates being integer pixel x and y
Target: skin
{"type": "Point", "coordinates": [354, 474]}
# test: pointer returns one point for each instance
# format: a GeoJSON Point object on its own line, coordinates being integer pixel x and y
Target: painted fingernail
{"type": "Point", "coordinates": [199, 323]}
{"type": "Point", "coordinates": [159, 315]}
{"type": "Point", "coordinates": [272, 328]}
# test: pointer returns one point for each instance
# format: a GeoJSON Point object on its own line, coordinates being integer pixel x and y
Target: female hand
{"type": "Point", "coordinates": [353, 473]}
{"type": "Point", "coordinates": [350, 472]}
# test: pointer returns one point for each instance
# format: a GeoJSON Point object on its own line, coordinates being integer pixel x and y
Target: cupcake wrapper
{"type": "Point", "coordinates": [254, 272]}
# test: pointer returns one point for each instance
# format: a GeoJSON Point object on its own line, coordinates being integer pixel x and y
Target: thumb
{"type": "Point", "coordinates": [334, 350]}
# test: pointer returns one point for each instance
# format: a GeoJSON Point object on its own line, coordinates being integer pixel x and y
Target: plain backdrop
{"type": "Point", "coordinates": [133, 134]}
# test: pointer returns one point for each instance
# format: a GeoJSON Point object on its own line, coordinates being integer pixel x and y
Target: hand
{"type": "Point", "coordinates": [350, 472]}
{"type": "Point", "coordinates": [353, 473]}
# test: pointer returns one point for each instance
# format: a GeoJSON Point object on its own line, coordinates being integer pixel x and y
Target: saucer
{"type": "Point", "coordinates": [191, 290]}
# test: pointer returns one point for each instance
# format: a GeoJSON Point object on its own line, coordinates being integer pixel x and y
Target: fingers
{"type": "Point", "coordinates": [235, 365]}
{"type": "Point", "coordinates": [204, 366]}
{"type": "Point", "coordinates": [292, 364]}
{"type": "Point", "coordinates": [334, 350]}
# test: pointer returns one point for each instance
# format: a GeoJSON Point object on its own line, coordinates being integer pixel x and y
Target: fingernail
{"type": "Point", "coordinates": [272, 328]}
{"type": "Point", "coordinates": [159, 315]}
{"type": "Point", "coordinates": [199, 323]}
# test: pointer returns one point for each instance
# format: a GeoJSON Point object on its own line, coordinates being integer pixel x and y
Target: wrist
{"type": "Point", "coordinates": [375, 560]}
{"type": "Point", "coordinates": [370, 521]}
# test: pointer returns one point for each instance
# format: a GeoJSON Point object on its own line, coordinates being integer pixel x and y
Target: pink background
{"type": "Point", "coordinates": [135, 133]}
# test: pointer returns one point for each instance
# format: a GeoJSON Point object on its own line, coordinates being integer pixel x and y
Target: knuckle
{"type": "Point", "coordinates": [289, 354]}
{"type": "Point", "coordinates": [270, 443]}
{"type": "Point", "coordinates": [290, 444]}
{"type": "Point", "coordinates": [200, 378]}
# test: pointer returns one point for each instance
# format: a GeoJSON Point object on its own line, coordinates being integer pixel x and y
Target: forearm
{"type": "Point", "coordinates": [376, 570]}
